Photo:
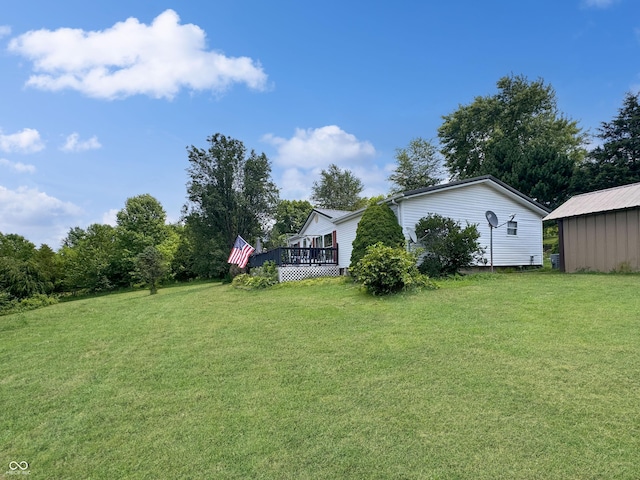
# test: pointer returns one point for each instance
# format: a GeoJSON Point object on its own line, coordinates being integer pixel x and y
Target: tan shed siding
{"type": "Point", "coordinates": [610, 239]}
{"type": "Point", "coordinates": [470, 204]}
{"type": "Point", "coordinates": [621, 237]}
{"type": "Point", "coordinates": [633, 234]}
{"type": "Point", "coordinates": [602, 242]}
{"type": "Point", "coordinates": [590, 229]}
{"type": "Point", "coordinates": [600, 227]}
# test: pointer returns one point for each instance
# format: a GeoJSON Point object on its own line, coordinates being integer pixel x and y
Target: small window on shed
{"type": "Point", "coordinates": [512, 228]}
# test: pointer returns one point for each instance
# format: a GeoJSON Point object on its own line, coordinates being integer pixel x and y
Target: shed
{"type": "Point", "coordinates": [600, 231]}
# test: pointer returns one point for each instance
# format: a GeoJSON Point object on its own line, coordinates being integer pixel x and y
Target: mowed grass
{"type": "Point", "coordinates": [514, 376]}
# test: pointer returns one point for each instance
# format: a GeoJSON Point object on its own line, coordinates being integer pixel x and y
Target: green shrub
{"type": "Point", "coordinates": [260, 277]}
{"type": "Point", "coordinates": [448, 247]}
{"type": "Point", "coordinates": [11, 305]}
{"type": "Point", "coordinates": [385, 270]}
{"type": "Point", "coordinates": [377, 225]}
{"type": "Point", "coordinates": [7, 303]}
{"type": "Point", "coordinates": [37, 301]}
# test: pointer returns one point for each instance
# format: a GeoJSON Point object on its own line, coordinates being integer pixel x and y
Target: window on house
{"type": "Point", "coordinates": [512, 228]}
{"type": "Point", "coordinates": [328, 240]}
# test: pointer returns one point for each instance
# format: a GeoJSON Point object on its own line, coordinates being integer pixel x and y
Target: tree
{"type": "Point", "coordinates": [337, 189]}
{"type": "Point", "coordinates": [16, 246]}
{"type": "Point", "coordinates": [377, 225]}
{"type": "Point", "coordinates": [290, 216]}
{"type": "Point", "coordinates": [140, 224]}
{"type": "Point", "coordinates": [448, 247]}
{"type": "Point", "coordinates": [50, 266]}
{"type": "Point", "coordinates": [151, 266]}
{"type": "Point", "coordinates": [143, 221]}
{"type": "Point", "coordinates": [22, 278]}
{"type": "Point", "coordinates": [229, 193]}
{"type": "Point", "coordinates": [92, 263]}
{"type": "Point", "coordinates": [23, 272]}
{"type": "Point", "coordinates": [418, 166]}
{"type": "Point", "coordinates": [617, 161]}
{"type": "Point", "coordinates": [518, 136]}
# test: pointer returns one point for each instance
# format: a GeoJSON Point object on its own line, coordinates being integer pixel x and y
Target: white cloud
{"type": "Point", "coordinates": [599, 3]}
{"type": "Point", "coordinates": [320, 147]}
{"type": "Point", "coordinates": [109, 218]}
{"type": "Point", "coordinates": [294, 184]}
{"type": "Point", "coordinates": [304, 155]}
{"type": "Point", "coordinates": [26, 141]}
{"type": "Point", "coordinates": [17, 166]}
{"type": "Point", "coordinates": [35, 215]}
{"type": "Point", "coordinates": [73, 144]}
{"type": "Point", "coordinates": [5, 30]}
{"type": "Point", "coordinates": [133, 58]}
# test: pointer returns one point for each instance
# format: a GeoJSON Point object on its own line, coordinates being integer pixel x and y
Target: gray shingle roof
{"type": "Point", "coordinates": [331, 213]}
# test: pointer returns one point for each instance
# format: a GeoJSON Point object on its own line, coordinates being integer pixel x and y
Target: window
{"type": "Point", "coordinates": [512, 228]}
{"type": "Point", "coordinates": [328, 240]}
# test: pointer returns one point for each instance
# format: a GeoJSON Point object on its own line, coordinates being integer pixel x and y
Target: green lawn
{"type": "Point", "coordinates": [514, 376]}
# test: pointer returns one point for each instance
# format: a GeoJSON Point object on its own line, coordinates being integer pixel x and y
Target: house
{"type": "Point", "coordinates": [517, 240]}
{"type": "Point", "coordinates": [600, 231]}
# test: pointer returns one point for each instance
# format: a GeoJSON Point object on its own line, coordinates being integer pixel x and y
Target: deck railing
{"type": "Point", "coordinates": [283, 256]}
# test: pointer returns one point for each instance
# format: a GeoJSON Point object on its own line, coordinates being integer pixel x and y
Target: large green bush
{"type": "Point", "coordinates": [377, 225]}
{"type": "Point", "coordinates": [260, 277]}
{"type": "Point", "coordinates": [448, 247]}
{"type": "Point", "coordinates": [385, 270]}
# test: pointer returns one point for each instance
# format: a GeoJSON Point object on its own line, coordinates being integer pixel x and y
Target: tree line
{"type": "Point", "coordinates": [517, 135]}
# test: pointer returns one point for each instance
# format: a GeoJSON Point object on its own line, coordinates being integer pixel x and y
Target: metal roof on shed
{"type": "Point", "coordinates": [616, 198]}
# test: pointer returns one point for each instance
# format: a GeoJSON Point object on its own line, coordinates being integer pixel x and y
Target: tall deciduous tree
{"type": "Point", "coordinates": [289, 218]}
{"type": "Point", "coordinates": [92, 262]}
{"type": "Point", "coordinates": [337, 189]}
{"type": "Point", "coordinates": [140, 224]}
{"type": "Point", "coordinates": [143, 219]}
{"type": "Point", "coordinates": [518, 136]}
{"type": "Point", "coordinates": [22, 271]}
{"type": "Point", "coordinates": [229, 193]}
{"type": "Point", "coordinates": [617, 161]}
{"type": "Point", "coordinates": [418, 165]}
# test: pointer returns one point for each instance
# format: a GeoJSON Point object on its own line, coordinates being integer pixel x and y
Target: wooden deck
{"type": "Point", "coordinates": [291, 256]}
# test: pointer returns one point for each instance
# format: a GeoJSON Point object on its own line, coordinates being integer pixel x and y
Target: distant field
{"type": "Point", "coordinates": [513, 376]}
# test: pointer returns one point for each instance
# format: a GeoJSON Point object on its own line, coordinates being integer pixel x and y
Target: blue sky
{"type": "Point", "coordinates": [100, 100]}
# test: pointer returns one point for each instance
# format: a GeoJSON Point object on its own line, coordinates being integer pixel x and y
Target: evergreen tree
{"type": "Point", "coordinates": [377, 225]}
{"type": "Point", "coordinates": [617, 161]}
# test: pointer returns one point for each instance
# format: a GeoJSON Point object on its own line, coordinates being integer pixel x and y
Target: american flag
{"type": "Point", "coordinates": [241, 252]}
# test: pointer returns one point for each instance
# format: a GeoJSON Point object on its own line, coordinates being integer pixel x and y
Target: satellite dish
{"type": "Point", "coordinates": [412, 236]}
{"type": "Point", "coordinates": [492, 218]}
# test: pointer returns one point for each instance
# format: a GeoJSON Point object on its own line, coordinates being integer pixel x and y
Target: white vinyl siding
{"type": "Point", "coordinates": [468, 203]}
{"type": "Point", "coordinates": [346, 234]}
{"type": "Point", "coordinates": [318, 226]}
